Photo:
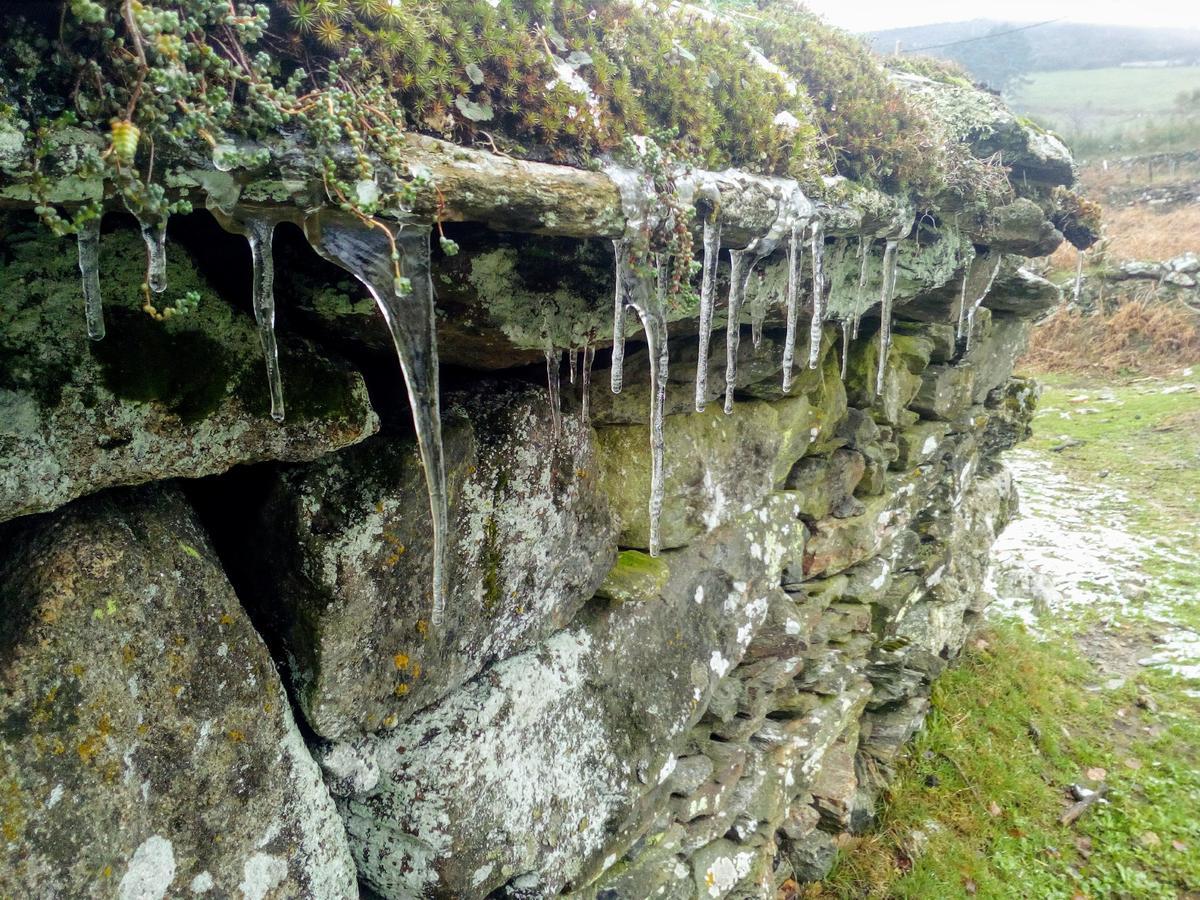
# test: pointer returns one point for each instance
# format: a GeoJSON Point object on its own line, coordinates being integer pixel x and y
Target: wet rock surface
{"type": "Point", "coordinates": [587, 719]}
{"type": "Point", "coordinates": [531, 539]}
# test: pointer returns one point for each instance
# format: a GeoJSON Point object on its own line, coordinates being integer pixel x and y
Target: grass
{"type": "Point", "coordinates": [1148, 441]}
{"type": "Point", "coordinates": [1100, 102]}
{"type": "Point", "coordinates": [1013, 724]}
{"type": "Point", "coordinates": [974, 810]}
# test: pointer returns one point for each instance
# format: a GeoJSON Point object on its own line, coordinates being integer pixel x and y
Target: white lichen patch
{"type": "Point", "coordinates": [261, 874]}
{"type": "Point", "coordinates": [150, 872]}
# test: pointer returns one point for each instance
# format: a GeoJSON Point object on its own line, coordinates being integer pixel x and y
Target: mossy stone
{"type": "Point", "coordinates": [635, 576]}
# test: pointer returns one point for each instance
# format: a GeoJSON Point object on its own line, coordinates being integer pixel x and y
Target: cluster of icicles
{"type": "Point", "coordinates": [375, 253]}
{"type": "Point", "coordinates": [795, 223]}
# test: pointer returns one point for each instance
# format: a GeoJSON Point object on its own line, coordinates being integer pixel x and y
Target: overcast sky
{"type": "Point", "coordinates": [872, 15]}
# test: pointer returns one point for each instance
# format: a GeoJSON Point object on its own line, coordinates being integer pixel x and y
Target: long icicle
{"type": "Point", "coordinates": [617, 373]}
{"type": "Point", "coordinates": [758, 302]}
{"type": "Point", "coordinates": [708, 291]}
{"type": "Point", "coordinates": [846, 326]}
{"type": "Point", "coordinates": [818, 310]}
{"type": "Point", "coordinates": [553, 367]}
{"type": "Point", "coordinates": [983, 295]}
{"type": "Point", "coordinates": [962, 301]}
{"type": "Point", "coordinates": [260, 233]}
{"type": "Point", "coordinates": [864, 246]}
{"type": "Point", "coordinates": [887, 294]}
{"type": "Point", "coordinates": [89, 269]}
{"type": "Point", "coordinates": [795, 258]}
{"type": "Point", "coordinates": [650, 305]}
{"type": "Point", "coordinates": [739, 272]}
{"type": "Point", "coordinates": [1078, 277]}
{"type": "Point", "coordinates": [371, 253]}
{"type": "Point", "coordinates": [585, 379]}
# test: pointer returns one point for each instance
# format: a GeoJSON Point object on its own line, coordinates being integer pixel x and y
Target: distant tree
{"type": "Point", "coordinates": [998, 59]}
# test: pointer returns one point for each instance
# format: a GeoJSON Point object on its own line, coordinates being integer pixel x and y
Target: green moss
{"type": "Point", "coordinates": [314, 389]}
{"type": "Point", "coordinates": [635, 576]}
{"type": "Point", "coordinates": [490, 560]}
{"type": "Point", "coordinates": [186, 371]}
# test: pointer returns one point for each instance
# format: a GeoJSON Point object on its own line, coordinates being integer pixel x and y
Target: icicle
{"type": "Point", "coordinates": [818, 310]}
{"type": "Point", "coordinates": [371, 255]}
{"type": "Point", "coordinates": [89, 269]}
{"type": "Point", "coordinates": [553, 365]}
{"type": "Point", "coordinates": [1078, 276]}
{"type": "Point", "coordinates": [983, 294]}
{"type": "Point", "coordinates": [795, 258]}
{"type": "Point", "coordinates": [260, 233]}
{"type": "Point", "coordinates": [962, 301]}
{"type": "Point", "coordinates": [758, 310]}
{"type": "Point", "coordinates": [846, 326]}
{"type": "Point", "coordinates": [585, 379]}
{"type": "Point", "coordinates": [650, 307]}
{"type": "Point", "coordinates": [739, 274]}
{"type": "Point", "coordinates": [571, 356]}
{"type": "Point", "coordinates": [887, 294]}
{"type": "Point", "coordinates": [617, 374]}
{"type": "Point", "coordinates": [864, 254]}
{"type": "Point", "coordinates": [708, 290]}
{"type": "Point", "coordinates": [155, 236]}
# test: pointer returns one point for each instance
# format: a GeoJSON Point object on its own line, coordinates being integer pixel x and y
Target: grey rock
{"type": "Point", "coordinates": [715, 465]}
{"type": "Point", "coordinates": [1186, 263]}
{"type": "Point", "coordinates": [945, 392]}
{"type": "Point", "coordinates": [994, 353]}
{"type": "Point", "coordinates": [556, 735]}
{"type": "Point", "coordinates": [146, 745]}
{"type": "Point", "coordinates": [811, 856]}
{"type": "Point", "coordinates": [154, 400]}
{"type": "Point", "coordinates": [1023, 292]}
{"type": "Point", "coordinates": [349, 544]}
{"type": "Point", "coordinates": [1140, 269]}
{"type": "Point", "coordinates": [1021, 227]}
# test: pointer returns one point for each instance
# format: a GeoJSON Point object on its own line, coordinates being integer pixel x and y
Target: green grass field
{"type": "Point", "coordinates": [975, 808]}
{"type": "Point", "coordinates": [1105, 103]}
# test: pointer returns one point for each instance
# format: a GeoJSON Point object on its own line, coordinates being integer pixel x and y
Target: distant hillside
{"type": "Point", "coordinates": [1059, 45]}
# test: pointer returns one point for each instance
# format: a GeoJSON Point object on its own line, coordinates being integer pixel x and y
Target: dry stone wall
{"type": "Point", "coordinates": [219, 671]}
{"type": "Point", "coordinates": [591, 721]}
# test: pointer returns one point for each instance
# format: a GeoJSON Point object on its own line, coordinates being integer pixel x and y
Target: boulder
{"type": "Point", "coordinates": [349, 543]}
{"type": "Point", "coordinates": [1020, 227]}
{"type": "Point", "coordinates": [531, 773]}
{"type": "Point", "coordinates": [822, 484]}
{"type": "Point", "coordinates": [147, 748]}
{"type": "Point", "coordinates": [907, 358]}
{"type": "Point", "coordinates": [184, 397]}
{"type": "Point", "coordinates": [994, 352]}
